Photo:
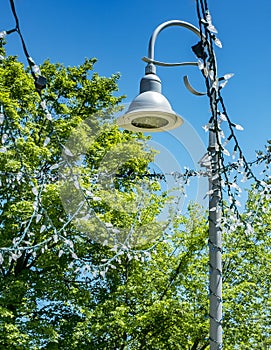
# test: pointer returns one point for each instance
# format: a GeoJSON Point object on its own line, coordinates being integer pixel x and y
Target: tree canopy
{"type": "Point", "coordinates": [106, 276]}
{"type": "Point", "coordinates": [43, 247]}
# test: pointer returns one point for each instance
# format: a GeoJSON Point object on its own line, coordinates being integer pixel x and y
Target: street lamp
{"type": "Point", "coordinates": [150, 111]}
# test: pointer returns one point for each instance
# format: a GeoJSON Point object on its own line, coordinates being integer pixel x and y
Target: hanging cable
{"type": "Point", "coordinates": [40, 81]}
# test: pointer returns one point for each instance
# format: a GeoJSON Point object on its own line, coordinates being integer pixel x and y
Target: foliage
{"type": "Point", "coordinates": [42, 250]}
{"type": "Point", "coordinates": [247, 267]}
{"type": "Point", "coordinates": [65, 286]}
{"type": "Point", "coordinates": [155, 303]}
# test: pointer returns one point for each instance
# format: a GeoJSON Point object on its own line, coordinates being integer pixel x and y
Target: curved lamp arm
{"type": "Point", "coordinates": [166, 25]}
{"type": "Point", "coordinates": [152, 62]}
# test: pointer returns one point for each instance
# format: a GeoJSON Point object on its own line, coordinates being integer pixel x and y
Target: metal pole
{"type": "Point", "coordinates": [215, 248]}
{"type": "Point", "coordinates": [215, 239]}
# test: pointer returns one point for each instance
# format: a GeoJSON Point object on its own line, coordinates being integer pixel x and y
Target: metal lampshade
{"type": "Point", "coordinates": [150, 111]}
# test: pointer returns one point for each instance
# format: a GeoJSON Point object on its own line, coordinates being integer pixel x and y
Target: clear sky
{"type": "Point", "coordinates": [117, 34]}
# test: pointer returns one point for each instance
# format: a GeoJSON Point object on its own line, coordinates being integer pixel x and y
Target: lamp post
{"type": "Point", "coordinates": [150, 111]}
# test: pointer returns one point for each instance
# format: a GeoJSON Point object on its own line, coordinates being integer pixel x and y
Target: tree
{"type": "Point", "coordinates": [247, 276]}
{"type": "Point", "coordinates": [42, 250]}
{"type": "Point", "coordinates": [116, 279]}
{"type": "Point", "coordinates": [162, 303]}
{"type": "Point", "coordinates": [156, 303]}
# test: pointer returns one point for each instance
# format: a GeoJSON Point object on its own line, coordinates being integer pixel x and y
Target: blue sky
{"type": "Point", "coordinates": [117, 34]}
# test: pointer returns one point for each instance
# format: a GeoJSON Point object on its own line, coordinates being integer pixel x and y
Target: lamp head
{"type": "Point", "coordinates": [150, 111]}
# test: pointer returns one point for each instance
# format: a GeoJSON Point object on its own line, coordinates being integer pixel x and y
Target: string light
{"type": "Point", "coordinates": [229, 191]}
{"type": "Point", "coordinates": [26, 242]}
{"type": "Point", "coordinates": [214, 85]}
